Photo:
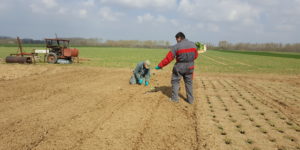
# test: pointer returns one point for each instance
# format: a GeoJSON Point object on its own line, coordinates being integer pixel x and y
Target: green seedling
{"type": "Point", "coordinates": [249, 141]}
{"type": "Point", "coordinates": [264, 131]}
{"type": "Point", "coordinates": [227, 141]}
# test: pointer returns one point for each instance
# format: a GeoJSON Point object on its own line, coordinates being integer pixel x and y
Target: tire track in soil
{"type": "Point", "coordinates": [91, 133]}
{"type": "Point", "coordinates": [195, 113]}
{"type": "Point", "coordinates": [35, 143]}
{"type": "Point", "coordinates": [114, 107]}
{"type": "Point", "coordinates": [137, 124]}
{"type": "Point", "coordinates": [150, 130]}
{"type": "Point", "coordinates": [50, 107]}
{"type": "Point", "coordinates": [36, 92]}
{"type": "Point", "coordinates": [146, 125]}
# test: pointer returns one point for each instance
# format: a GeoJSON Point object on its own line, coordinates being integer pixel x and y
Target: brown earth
{"type": "Point", "coordinates": [61, 107]}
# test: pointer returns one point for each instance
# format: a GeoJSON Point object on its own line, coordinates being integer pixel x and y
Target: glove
{"type": "Point", "coordinates": [140, 81]}
{"type": "Point", "coordinates": [146, 83]}
{"type": "Point", "coordinates": [157, 68]}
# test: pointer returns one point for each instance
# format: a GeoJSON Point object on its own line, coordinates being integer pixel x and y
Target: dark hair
{"type": "Point", "coordinates": [180, 35]}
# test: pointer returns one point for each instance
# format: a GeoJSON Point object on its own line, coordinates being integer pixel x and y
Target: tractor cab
{"type": "Point", "coordinates": [59, 49]}
{"type": "Point", "coordinates": [57, 43]}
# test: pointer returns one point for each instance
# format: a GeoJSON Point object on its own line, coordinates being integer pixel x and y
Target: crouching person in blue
{"type": "Point", "coordinates": [141, 73]}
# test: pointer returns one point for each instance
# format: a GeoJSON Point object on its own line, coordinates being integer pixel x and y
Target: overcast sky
{"type": "Point", "coordinates": [201, 20]}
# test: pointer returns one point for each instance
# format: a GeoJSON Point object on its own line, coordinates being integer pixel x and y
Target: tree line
{"type": "Point", "coordinates": [222, 45]}
{"type": "Point", "coordinates": [275, 47]}
{"type": "Point", "coordinates": [95, 42]}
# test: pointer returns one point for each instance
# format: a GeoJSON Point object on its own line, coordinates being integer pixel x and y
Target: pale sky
{"type": "Point", "coordinates": [201, 20]}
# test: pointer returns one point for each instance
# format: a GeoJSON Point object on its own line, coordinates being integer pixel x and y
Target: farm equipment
{"type": "Point", "coordinates": [59, 51]}
{"type": "Point", "coordinates": [21, 57]}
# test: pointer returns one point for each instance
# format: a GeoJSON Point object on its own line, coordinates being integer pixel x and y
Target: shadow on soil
{"type": "Point", "coordinates": [167, 90]}
{"type": "Point", "coordinates": [269, 54]}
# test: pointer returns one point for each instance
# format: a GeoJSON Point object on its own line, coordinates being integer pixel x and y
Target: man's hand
{"type": "Point", "coordinates": [146, 83]}
{"type": "Point", "coordinates": [140, 81]}
{"type": "Point", "coordinates": [157, 68]}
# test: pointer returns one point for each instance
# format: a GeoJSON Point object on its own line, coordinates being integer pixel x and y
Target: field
{"type": "Point", "coordinates": [244, 100]}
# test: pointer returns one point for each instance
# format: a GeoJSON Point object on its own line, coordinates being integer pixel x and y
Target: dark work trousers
{"type": "Point", "coordinates": [186, 71]}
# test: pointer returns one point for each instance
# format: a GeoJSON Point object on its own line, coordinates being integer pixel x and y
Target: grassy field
{"type": "Point", "coordinates": [211, 61]}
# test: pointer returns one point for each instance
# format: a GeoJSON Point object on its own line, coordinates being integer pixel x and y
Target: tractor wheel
{"type": "Point", "coordinates": [51, 58]}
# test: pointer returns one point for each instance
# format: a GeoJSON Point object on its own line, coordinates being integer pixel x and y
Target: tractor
{"type": "Point", "coordinates": [59, 51]}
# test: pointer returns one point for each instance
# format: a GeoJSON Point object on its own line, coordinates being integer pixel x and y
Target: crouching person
{"type": "Point", "coordinates": [141, 73]}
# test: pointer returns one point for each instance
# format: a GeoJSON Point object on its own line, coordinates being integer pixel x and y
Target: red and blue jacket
{"type": "Point", "coordinates": [185, 51]}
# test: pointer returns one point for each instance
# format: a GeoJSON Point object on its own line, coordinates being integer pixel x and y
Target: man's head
{"type": "Point", "coordinates": [147, 64]}
{"type": "Point", "coordinates": [179, 37]}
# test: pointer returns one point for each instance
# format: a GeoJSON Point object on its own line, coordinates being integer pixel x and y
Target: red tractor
{"type": "Point", "coordinates": [59, 51]}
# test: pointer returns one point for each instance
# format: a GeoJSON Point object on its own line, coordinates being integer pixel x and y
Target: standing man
{"type": "Point", "coordinates": [185, 53]}
{"type": "Point", "coordinates": [141, 73]}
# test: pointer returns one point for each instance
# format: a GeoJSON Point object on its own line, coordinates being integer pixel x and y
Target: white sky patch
{"type": "Point", "coordinates": [200, 25]}
{"type": "Point", "coordinates": [3, 6]}
{"type": "Point", "coordinates": [45, 7]}
{"type": "Point", "coordinates": [175, 22]}
{"type": "Point", "coordinates": [82, 13]}
{"type": "Point", "coordinates": [107, 14]}
{"type": "Point", "coordinates": [233, 20]}
{"type": "Point", "coordinates": [213, 27]}
{"type": "Point", "coordinates": [36, 8]}
{"type": "Point", "coordinates": [88, 3]}
{"type": "Point", "coordinates": [284, 27]}
{"type": "Point", "coordinates": [159, 4]}
{"type": "Point", "coordinates": [145, 18]}
{"type": "Point", "coordinates": [62, 10]}
{"type": "Point", "coordinates": [149, 18]}
{"type": "Point", "coordinates": [49, 3]}
{"type": "Point", "coordinates": [217, 10]}
{"type": "Point", "coordinates": [161, 19]}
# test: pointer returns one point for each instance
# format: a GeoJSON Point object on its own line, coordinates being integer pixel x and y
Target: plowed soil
{"type": "Point", "coordinates": [65, 107]}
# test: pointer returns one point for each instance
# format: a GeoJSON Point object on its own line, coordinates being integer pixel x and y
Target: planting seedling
{"type": "Point", "coordinates": [271, 124]}
{"type": "Point", "coordinates": [289, 123]}
{"type": "Point", "coordinates": [227, 141]}
{"type": "Point", "coordinates": [272, 139]}
{"type": "Point", "coordinates": [216, 121]}
{"type": "Point", "coordinates": [220, 127]}
{"type": "Point", "coordinates": [249, 141]}
{"type": "Point", "coordinates": [293, 139]}
{"type": "Point", "coordinates": [256, 148]}
{"type": "Point", "coordinates": [242, 131]}
{"type": "Point", "coordinates": [251, 119]}
{"type": "Point", "coordinates": [245, 114]}
{"type": "Point", "coordinates": [257, 125]}
{"type": "Point", "coordinates": [296, 128]}
{"type": "Point", "coordinates": [281, 148]}
{"type": "Point", "coordinates": [282, 118]}
{"type": "Point", "coordinates": [223, 133]}
{"type": "Point", "coordinates": [264, 131]}
{"type": "Point", "coordinates": [279, 130]}
{"type": "Point", "coordinates": [232, 120]}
